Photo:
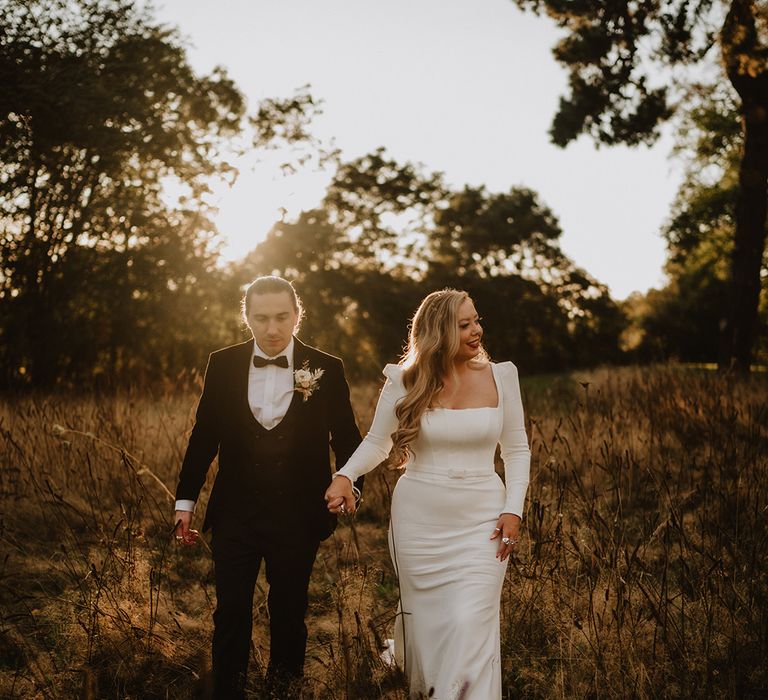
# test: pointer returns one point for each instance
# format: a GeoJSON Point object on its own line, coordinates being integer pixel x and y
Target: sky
{"type": "Point", "coordinates": [465, 87]}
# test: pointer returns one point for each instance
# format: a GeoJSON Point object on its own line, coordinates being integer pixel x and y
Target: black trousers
{"type": "Point", "coordinates": [238, 553]}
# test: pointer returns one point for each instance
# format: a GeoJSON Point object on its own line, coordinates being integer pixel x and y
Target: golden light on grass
{"type": "Point", "coordinates": [641, 571]}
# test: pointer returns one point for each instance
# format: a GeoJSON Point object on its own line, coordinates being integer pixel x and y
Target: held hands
{"type": "Point", "coordinates": [508, 531]}
{"type": "Point", "coordinates": [339, 496]}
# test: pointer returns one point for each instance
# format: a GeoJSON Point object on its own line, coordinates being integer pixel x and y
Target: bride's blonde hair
{"type": "Point", "coordinates": [433, 343]}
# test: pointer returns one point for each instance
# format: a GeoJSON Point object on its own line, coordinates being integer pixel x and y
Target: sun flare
{"type": "Point", "coordinates": [261, 196]}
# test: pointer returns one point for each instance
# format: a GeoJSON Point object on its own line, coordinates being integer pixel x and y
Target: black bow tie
{"type": "Point", "coordinates": [281, 361]}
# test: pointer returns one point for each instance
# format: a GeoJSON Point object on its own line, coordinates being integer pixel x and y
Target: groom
{"type": "Point", "coordinates": [270, 407]}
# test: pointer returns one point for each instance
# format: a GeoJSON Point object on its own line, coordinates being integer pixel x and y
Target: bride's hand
{"type": "Point", "coordinates": [339, 496]}
{"type": "Point", "coordinates": [507, 530]}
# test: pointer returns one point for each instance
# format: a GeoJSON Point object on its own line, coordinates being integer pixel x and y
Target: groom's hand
{"type": "Point", "coordinates": [183, 519]}
{"type": "Point", "coordinates": [339, 496]}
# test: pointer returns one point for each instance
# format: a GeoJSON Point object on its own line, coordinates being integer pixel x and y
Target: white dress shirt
{"type": "Point", "coordinates": [270, 388]}
{"type": "Point", "coordinates": [270, 392]}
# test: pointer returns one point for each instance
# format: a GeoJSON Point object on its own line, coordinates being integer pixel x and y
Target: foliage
{"type": "Point", "coordinates": [628, 64]}
{"type": "Point", "coordinates": [386, 234]}
{"type": "Point", "coordinates": [285, 125]}
{"type": "Point", "coordinates": [683, 320]}
{"type": "Point", "coordinates": [709, 142]}
{"type": "Point", "coordinates": [100, 110]}
{"type": "Point", "coordinates": [101, 117]}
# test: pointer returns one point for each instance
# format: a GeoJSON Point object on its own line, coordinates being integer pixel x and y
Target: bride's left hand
{"type": "Point", "coordinates": [507, 528]}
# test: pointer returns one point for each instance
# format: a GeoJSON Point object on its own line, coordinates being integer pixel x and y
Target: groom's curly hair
{"type": "Point", "coordinates": [270, 284]}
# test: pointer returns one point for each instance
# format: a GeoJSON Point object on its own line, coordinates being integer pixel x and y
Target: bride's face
{"type": "Point", "coordinates": [470, 332]}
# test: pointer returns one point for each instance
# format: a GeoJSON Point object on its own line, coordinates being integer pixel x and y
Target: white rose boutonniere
{"type": "Point", "coordinates": [306, 381]}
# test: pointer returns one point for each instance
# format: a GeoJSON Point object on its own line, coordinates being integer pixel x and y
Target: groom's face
{"type": "Point", "coordinates": [272, 320]}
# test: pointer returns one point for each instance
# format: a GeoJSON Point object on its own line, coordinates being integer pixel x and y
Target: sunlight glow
{"type": "Point", "coordinates": [261, 196]}
{"type": "Point", "coordinates": [389, 75]}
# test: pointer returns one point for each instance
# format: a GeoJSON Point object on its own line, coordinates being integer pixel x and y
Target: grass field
{"type": "Point", "coordinates": [642, 570]}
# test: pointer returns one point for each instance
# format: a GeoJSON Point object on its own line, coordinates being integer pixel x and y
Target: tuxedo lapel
{"type": "Point", "coordinates": [240, 372]}
{"type": "Point", "coordinates": [300, 355]}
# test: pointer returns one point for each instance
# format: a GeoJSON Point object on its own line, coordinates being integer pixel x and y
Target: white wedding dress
{"type": "Point", "coordinates": [444, 510]}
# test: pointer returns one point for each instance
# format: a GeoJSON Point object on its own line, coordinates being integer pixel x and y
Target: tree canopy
{"type": "Point", "coordinates": [683, 320]}
{"type": "Point", "coordinates": [627, 63]}
{"type": "Point", "coordinates": [103, 274]}
{"type": "Point", "coordinates": [101, 116]}
{"type": "Point", "coordinates": [387, 233]}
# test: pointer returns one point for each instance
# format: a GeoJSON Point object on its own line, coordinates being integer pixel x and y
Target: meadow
{"type": "Point", "coordinates": [642, 570]}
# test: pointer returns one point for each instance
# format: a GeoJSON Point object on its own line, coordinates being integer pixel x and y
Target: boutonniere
{"type": "Point", "coordinates": [306, 381]}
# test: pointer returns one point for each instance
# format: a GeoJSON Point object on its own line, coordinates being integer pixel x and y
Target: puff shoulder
{"type": "Point", "coordinates": [505, 369]}
{"type": "Point", "coordinates": [394, 373]}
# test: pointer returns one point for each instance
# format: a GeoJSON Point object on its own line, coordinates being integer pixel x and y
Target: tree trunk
{"type": "Point", "coordinates": [747, 71]}
{"type": "Point", "coordinates": [749, 242]}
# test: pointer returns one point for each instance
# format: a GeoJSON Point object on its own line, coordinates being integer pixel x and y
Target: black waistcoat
{"type": "Point", "coordinates": [269, 474]}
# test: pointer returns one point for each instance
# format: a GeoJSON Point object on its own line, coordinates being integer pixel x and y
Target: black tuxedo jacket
{"type": "Point", "coordinates": [271, 479]}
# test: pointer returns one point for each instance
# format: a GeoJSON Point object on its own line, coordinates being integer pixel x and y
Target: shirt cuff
{"type": "Point", "coordinates": [184, 504]}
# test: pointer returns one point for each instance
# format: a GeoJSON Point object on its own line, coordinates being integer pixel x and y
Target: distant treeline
{"type": "Point", "coordinates": [102, 281]}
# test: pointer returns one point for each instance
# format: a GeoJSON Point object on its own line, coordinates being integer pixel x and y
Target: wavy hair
{"type": "Point", "coordinates": [433, 343]}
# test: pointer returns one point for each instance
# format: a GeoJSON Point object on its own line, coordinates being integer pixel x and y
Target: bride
{"type": "Point", "coordinates": [441, 413]}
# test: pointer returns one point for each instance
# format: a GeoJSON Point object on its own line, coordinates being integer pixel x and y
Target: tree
{"type": "Point", "coordinates": [99, 109]}
{"type": "Point", "coordinates": [616, 51]}
{"type": "Point", "coordinates": [99, 115]}
{"type": "Point", "coordinates": [387, 233]}
{"type": "Point", "coordinates": [683, 319]}
{"type": "Point", "coordinates": [504, 249]}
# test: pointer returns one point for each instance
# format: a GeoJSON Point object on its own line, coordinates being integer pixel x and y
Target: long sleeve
{"type": "Point", "coordinates": [376, 445]}
{"type": "Point", "coordinates": [345, 437]}
{"type": "Point", "coordinates": [515, 452]}
{"type": "Point", "coordinates": [203, 441]}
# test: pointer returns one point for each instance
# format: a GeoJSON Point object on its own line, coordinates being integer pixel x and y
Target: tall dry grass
{"type": "Point", "coordinates": [641, 571]}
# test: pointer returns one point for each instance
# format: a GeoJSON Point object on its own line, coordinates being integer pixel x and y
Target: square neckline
{"type": "Point", "coordinates": [477, 408]}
